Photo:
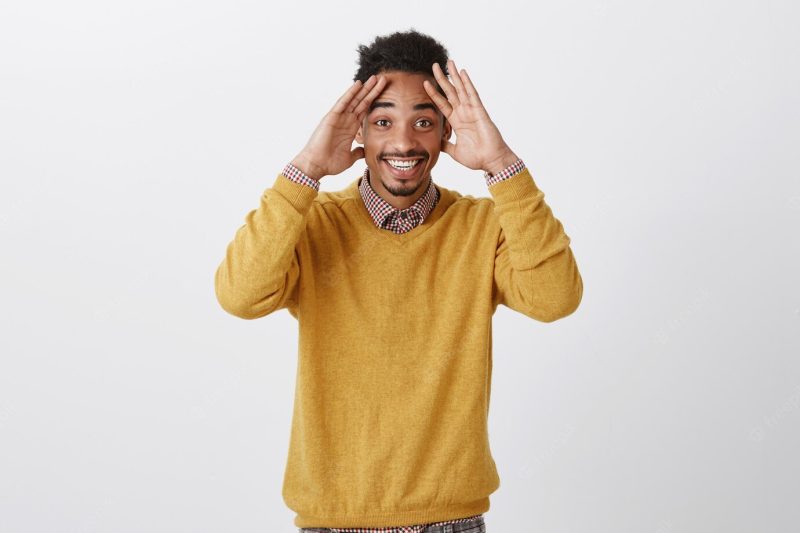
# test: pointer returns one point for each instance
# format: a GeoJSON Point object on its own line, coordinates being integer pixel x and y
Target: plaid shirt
{"type": "Point", "coordinates": [399, 221]}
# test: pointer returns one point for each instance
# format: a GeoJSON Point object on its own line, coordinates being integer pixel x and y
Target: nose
{"type": "Point", "coordinates": [403, 139]}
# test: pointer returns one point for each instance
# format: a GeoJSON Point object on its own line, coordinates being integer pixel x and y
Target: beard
{"type": "Point", "coordinates": [405, 188]}
{"type": "Point", "coordinates": [402, 187]}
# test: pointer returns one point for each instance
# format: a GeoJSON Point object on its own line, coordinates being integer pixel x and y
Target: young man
{"type": "Point", "coordinates": [394, 281]}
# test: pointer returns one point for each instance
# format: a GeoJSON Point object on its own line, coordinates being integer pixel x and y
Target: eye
{"type": "Point", "coordinates": [380, 120]}
{"type": "Point", "coordinates": [429, 123]}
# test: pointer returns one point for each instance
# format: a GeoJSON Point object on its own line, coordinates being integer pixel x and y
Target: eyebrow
{"type": "Point", "coordinates": [417, 107]}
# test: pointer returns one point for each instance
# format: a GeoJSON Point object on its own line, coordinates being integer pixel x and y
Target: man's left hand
{"type": "Point", "coordinates": [480, 145]}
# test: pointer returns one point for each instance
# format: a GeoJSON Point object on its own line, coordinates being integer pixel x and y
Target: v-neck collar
{"type": "Point", "coordinates": [446, 198]}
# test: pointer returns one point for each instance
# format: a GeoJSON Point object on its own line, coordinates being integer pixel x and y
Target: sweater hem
{"type": "Point", "coordinates": [392, 518]}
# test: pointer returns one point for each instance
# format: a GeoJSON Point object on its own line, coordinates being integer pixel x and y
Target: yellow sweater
{"type": "Point", "coordinates": [390, 421]}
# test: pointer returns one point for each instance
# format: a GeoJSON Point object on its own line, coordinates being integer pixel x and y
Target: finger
{"type": "Point", "coordinates": [376, 90]}
{"type": "Point", "coordinates": [444, 83]}
{"type": "Point", "coordinates": [470, 88]}
{"type": "Point", "coordinates": [362, 93]}
{"type": "Point", "coordinates": [451, 67]}
{"type": "Point", "coordinates": [440, 101]}
{"type": "Point", "coordinates": [341, 103]}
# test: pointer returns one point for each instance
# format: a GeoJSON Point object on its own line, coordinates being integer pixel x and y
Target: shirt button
{"type": "Point", "coordinates": [403, 214]}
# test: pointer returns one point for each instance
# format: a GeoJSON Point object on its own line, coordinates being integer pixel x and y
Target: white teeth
{"type": "Point", "coordinates": [403, 165]}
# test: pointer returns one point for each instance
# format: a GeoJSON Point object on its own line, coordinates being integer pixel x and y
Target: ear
{"type": "Point", "coordinates": [447, 130]}
{"type": "Point", "coordinates": [360, 135]}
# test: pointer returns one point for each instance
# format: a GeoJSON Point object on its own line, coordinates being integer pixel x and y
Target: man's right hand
{"type": "Point", "coordinates": [329, 150]}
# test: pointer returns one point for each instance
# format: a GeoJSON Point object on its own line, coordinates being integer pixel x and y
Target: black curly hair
{"type": "Point", "coordinates": [409, 51]}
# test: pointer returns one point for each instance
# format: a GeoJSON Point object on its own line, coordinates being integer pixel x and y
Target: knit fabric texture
{"type": "Point", "coordinates": [394, 363]}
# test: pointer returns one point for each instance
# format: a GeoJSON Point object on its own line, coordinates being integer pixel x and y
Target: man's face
{"type": "Point", "coordinates": [402, 127]}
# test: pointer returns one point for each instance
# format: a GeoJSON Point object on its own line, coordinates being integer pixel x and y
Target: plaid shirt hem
{"type": "Point", "coordinates": [511, 170]}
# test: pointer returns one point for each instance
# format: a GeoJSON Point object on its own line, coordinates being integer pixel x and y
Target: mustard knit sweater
{"type": "Point", "coordinates": [390, 421]}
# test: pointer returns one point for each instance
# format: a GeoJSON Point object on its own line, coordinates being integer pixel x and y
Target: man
{"type": "Point", "coordinates": [394, 281]}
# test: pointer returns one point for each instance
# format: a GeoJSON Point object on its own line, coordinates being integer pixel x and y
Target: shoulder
{"type": "Point", "coordinates": [467, 204]}
{"type": "Point", "coordinates": [334, 207]}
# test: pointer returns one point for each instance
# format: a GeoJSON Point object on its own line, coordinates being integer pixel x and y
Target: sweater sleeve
{"type": "Point", "coordinates": [260, 271]}
{"type": "Point", "coordinates": [535, 271]}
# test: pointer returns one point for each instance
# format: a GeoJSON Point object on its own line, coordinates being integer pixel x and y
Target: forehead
{"type": "Point", "coordinates": [404, 89]}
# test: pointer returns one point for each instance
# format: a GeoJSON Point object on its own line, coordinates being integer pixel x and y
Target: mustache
{"type": "Point", "coordinates": [409, 155]}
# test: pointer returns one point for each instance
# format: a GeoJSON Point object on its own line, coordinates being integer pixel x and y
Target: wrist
{"type": "Point", "coordinates": [500, 162]}
{"type": "Point", "coordinates": [310, 169]}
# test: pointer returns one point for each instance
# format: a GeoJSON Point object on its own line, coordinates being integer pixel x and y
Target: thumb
{"type": "Point", "coordinates": [356, 154]}
{"type": "Point", "coordinates": [448, 148]}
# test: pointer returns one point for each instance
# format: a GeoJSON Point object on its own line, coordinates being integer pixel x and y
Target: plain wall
{"type": "Point", "coordinates": [136, 136]}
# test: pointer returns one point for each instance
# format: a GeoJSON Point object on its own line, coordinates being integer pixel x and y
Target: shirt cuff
{"type": "Point", "coordinates": [298, 176]}
{"type": "Point", "coordinates": [511, 170]}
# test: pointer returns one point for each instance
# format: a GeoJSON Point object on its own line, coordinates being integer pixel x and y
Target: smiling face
{"type": "Point", "coordinates": [402, 136]}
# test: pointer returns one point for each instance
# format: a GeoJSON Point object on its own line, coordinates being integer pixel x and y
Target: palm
{"type": "Point", "coordinates": [476, 135]}
{"type": "Point", "coordinates": [478, 140]}
{"type": "Point", "coordinates": [334, 136]}
{"type": "Point", "coordinates": [329, 150]}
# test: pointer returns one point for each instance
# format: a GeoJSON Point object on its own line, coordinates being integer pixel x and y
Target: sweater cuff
{"type": "Point", "coordinates": [515, 187]}
{"type": "Point", "coordinates": [299, 195]}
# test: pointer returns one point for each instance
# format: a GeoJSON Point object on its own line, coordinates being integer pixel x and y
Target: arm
{"type": "Point", "coordinates": [535, 272]}
{"type": "Point", "coordinates": [261, 270]}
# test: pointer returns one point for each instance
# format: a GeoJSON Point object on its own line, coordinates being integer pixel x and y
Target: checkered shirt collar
{"type": "Point", "coordinates": [380, 210]}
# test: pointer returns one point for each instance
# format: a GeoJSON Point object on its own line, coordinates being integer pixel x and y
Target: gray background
{"type": "Point", "coordinates": [137, 135]}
